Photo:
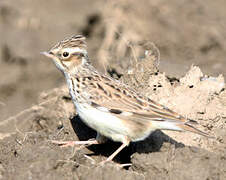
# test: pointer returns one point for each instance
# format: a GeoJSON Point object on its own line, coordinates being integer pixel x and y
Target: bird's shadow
{"type": "Point", "coordinates": [153, 143]}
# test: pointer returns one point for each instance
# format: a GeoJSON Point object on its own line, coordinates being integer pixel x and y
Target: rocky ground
{"type": "Point", "coordinates": [36, 108]}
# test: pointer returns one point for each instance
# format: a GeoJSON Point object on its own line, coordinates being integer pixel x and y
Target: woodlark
{"type": "Point", "coordinates": [108, 106]}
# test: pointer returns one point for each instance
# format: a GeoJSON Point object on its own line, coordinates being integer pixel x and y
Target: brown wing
{"type": "Point", "coordinates": [117, 98]}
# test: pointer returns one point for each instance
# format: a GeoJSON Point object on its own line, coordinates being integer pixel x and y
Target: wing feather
{"type": "Point", "coordinates": [128, 101]}
{"type": "Point", "coordinates": [140, 111]}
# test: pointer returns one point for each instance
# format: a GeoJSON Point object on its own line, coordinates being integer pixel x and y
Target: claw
{"type": "Point", "coordinates": [119, 165]}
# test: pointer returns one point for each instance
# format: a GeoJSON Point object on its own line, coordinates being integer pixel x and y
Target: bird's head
{"type": "Point", "coordinates": [69, 53]}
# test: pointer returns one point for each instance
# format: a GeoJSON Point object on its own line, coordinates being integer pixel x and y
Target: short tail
{"type": "Point", "coordinates": [179, 125]}
{"type": "Point", "coordinates": [188, 127]}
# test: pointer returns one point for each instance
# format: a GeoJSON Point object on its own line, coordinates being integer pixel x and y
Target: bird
{"type": "Point", "coordinates": [113, 109]}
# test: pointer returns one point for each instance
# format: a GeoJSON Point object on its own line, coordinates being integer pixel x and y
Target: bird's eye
{"type": "Point", "coordinates": [65, 54]}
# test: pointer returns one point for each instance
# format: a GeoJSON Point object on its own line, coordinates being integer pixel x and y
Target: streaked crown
{"type": "Point", "coordinates": [69, 53]}
{"type": "Point", "coordinates": [76, 41]}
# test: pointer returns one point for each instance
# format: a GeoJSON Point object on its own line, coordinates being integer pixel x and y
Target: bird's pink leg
{"type": "Point", "coordinates": [73, 143]}
{"type": "Point", "coordinates": [124, 144]}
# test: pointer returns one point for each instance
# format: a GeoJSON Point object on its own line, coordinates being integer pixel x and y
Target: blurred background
{"type": "Point", "coordinates": [185, 31]}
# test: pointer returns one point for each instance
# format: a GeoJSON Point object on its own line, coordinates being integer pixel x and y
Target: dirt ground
{"type": "Point", "coordinates": [173, 52]}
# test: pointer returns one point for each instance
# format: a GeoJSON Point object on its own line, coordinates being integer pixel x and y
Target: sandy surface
{"type": "Point", "coordinates": [119, 34]}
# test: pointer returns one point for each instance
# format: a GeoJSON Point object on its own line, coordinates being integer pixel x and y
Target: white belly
{"type": "Point", "coordinates": [103, 122]}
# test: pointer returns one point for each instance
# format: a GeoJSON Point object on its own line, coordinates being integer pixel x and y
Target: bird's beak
{"type": "Point", "coordinates": [47, 54]}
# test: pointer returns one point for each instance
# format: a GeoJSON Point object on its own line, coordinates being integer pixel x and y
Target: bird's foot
{"type": "Point", "coordinates": [73, 143]}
